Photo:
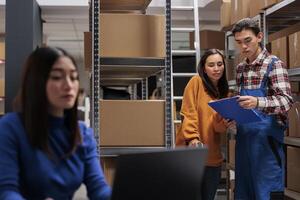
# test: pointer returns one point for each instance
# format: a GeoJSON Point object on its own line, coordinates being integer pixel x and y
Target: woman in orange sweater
{"type": "Point", "coordinates": [200, 123]}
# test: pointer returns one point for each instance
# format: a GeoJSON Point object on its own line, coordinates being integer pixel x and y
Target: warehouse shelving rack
{"type": "Point", "coordinates": [128, 71]}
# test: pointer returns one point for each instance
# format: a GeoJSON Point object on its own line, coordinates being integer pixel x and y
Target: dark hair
{"type": "Point", "coordinates": [246, 24]}
{"type": "Point", "coordinates": [32, 101]}
{"type": "Point", "coordinates": [223, 88]}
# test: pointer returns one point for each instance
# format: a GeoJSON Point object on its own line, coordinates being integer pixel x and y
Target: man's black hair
{"type": "Point", "coordinates": [246, 24]}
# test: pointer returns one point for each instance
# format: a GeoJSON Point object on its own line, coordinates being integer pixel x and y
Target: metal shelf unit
{"type": "Point", "coordinates": [282, 15]}
{"type": "Point", "coordinates": [293, 141]}
{"type": "Point", "coordinates": [291, 194]}
{"type": "Point", "coordinates": [125, 72]}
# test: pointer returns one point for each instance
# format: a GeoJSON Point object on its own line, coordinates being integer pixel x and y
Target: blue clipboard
{"type": "Point", "coordinates": [229, 108]}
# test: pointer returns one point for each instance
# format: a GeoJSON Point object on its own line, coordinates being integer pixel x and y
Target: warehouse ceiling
{"type": "Point", "coordinates": [66, 20]}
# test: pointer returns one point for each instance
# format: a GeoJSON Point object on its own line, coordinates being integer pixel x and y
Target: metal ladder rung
{"type": "Point", "coordinates": [182, 8]}
{"type": "Point", "coordinates": [176, 121]}
{"type": "Point", "coordinates": [184, 74]}
{"type": "Point", "coordinates": [178, 97]}
{"type": "Point", "coordinates": [175, 29]}
{"type": "Point", "coordinates": [183, 52]}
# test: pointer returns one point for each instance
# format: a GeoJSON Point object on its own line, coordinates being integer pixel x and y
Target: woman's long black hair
{"type": "Point", "coordinates": [33, 104]}
{"type": "Point", "coordinates": [222, 88]}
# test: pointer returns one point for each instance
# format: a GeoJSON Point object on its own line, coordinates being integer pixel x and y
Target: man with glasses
{"type": "Point", "coordinates": [263, 85]}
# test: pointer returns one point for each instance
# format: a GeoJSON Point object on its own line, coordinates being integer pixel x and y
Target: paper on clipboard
{"type": "Point", "coordinates": [229, 108]}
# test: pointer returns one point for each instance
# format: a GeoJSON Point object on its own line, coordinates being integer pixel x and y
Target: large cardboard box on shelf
{"type": "Point", "coordinates": [294, 120]}
{"type": "Point", "coordinates": [279, 48]}
{"type": "Point", "coordinates": [239, 10]}
{"type": "Point", "coordinates": [132, 123]}
{"type": "Point", "coordinates": [2, 86]}
{"type": "Point", "coordinates": [294, 50]}
{"type": "Point", "coordinates": [258, 5]}
{"type": "Point", "coordinates": [124, 5]}
{"type": "Point", "coordinates": [225, 13]}
{"type": "Point", "coordinates": [230, 69]}
{"type": "Point", "coordinates": [2, 51]}
{"type": "Point", "coordinates": [293, 166]}
{"type": "Point", "coordinates": [295, 87]}
{"type": "Point", "coordinates": [209, 39]}
{"type": "Point", "coordinates": [284, 32]}
{"type": "Point", "coordinates": [109, 168]}
{"type": "Point", "coordinates": [132, 35]}
{"type": "Point", "coordinates": [2, 106]}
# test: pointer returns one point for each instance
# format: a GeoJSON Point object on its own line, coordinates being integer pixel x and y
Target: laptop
{"type": "Point", "coordinates": [170, 174]}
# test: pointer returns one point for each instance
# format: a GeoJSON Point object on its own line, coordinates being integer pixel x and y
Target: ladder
{"type": "Point", "coordinates": [186, 52]}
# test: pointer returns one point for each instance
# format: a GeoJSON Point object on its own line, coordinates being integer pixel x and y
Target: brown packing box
{"type": "Point", "coordinates": [2, 86]}
{"type": "Point", "coordinates": [231, 152]}
{"type": "Point", "coordinates": [109, 167]}
{"type": "Point", "coordinates": [209, 39]}
{"type": "Point", "coordinates": [124, 5]}
{"type": "Point", "coordinates": [295, 87]}
{"type": "Point", "coordinates": [132, 35]}
{"type": "Point", "coordinates": [293, 166]}
{"type": "Point", "coordinates": [294, 50]}
{"type": "Point", "coordinates": [2, 51]}
{"type": "Point", "coordinates": [132, 123]}
{"type": "Point", "coordinates": [239, 10]}
{"type": "Point", "coordinates": [279, 48]}
{"type": "Point", "coordinates": [225, 13]}
{"type": "Point", "coordinates": [284, 32]}
{"type": "Point", "coordinates": [294, 120]}
{"type": "Point", "coordinates": [257, 5]}
{"type": "Point", "coordinates": [230, 69]}
{"type": "Point", "coordinates": [1, 106]}
{"type": "Point", "coordinates": [87, 50]}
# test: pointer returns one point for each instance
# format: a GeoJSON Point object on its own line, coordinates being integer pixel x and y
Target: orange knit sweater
{"type": "Point", "coordinates": [200, 121]}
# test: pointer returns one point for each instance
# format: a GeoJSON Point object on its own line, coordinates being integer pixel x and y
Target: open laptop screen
{"type": "Point", "coordinates": [174, 174]}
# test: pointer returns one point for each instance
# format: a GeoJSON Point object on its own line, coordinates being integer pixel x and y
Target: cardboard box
{"type": "Point", "coordinates": [258, 5]}
{"type": "Point", "coordinates": [2, 106]}
{"type": "Point", "coordinates": [209, 39]}
{"type": "Point", "coordinates": [293, 166]}
{"type": "Point", "coordinates": [2, 51]}
{"type": "Point", "coordinates": [279, 48]}
{"type": "Point", "coordinates": [132, 123]}
{"type": "Point", "coordinates": [231, 152]}
{"type": "Point", "coordinates": [294, 50]}
{"type": "Point", "coordinates": [124, 5]}
{"type": "Point", "coordinates": [295, 87]}
{"type": "Point", "coordinates": [88, 55]}
{"type": "Point", "coordinates": [284, 32]}
{"type": "Point", "coordinates": [132, 35]}
{"type": "Point", "coordinates": [2, 87]}
{"type": "Point", "coordinates": [225, 13]}
{"type": "Point", "coordinates": [108, 165]}
{"type": "Point", "coordinates": [294, 120]}
{"type": "Point", "coordinates": [230, 69]}
{"type": "Point", "coordinates": [239, 10]}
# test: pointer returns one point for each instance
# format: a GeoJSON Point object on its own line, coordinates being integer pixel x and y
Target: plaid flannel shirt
{"type": "Point", "coordinates": [279, 99]}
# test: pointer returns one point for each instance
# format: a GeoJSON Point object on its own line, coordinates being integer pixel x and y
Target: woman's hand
{"type": "Point", "coordinates": [229, 123]}
{"type": "Point", "coordinates": [195, 143]}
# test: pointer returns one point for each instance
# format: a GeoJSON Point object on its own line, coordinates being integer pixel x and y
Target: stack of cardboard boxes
{"type": "Point", "coordinates": [233, 10]}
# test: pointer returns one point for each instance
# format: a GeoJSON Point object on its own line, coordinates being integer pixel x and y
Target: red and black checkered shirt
{"type": "Point", "coordinates": [279, 99]}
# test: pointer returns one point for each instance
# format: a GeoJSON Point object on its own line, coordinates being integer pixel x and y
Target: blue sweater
{"type": "Point", "coordinates": [28, 173]}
